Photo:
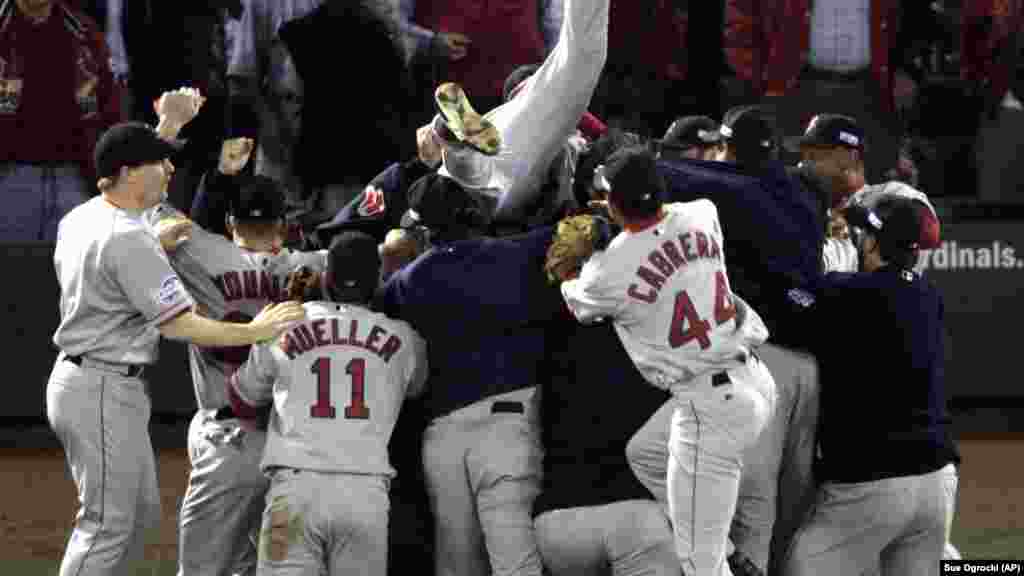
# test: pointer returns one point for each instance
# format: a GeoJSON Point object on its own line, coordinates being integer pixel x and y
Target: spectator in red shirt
{"type": "Point", "coordinates": [647, 47]}
{"type": "Point", "coordinates": [57, 96]}
{"type": "Point", "coordinates": [990, 33]}
{"type": "Point", "coordinates": [478, 43]}
{"type": "Point", "coordinates": [856, 55]}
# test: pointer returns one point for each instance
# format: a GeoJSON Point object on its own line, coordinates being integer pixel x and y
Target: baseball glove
{"type": "Point", "coordinates": [303, 285]}
{"type": "Point", "coordinates": [575, 239]}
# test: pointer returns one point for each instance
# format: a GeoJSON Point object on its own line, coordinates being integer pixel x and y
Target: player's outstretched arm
{"type": "Point", "coordinates": [205, 332]}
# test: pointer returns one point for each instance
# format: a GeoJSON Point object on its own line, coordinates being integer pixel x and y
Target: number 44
{"type": "Point", "coordinates": [686, 314]}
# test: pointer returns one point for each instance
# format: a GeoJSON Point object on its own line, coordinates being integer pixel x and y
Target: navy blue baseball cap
{"type": "Point", "coordinates": [830, 131]}
{"type": "Point", "coordinates": [896, 223]}
{"type": "Point", "coordinates": [631, 174]}
{"type": "Point", "coordinates": [131, 144]}
{"type": "Point", "coordinates": [442, 204]}
{"type": "Point", "coordinates": [258, 198]}
{"type": "Point", "coordinates": [353, 264]}
{"type": "Point", "coordinates": [692, 131]}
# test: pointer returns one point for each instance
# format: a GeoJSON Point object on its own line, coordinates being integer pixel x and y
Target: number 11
{"type": "Point", "coordinates": [357, 409]}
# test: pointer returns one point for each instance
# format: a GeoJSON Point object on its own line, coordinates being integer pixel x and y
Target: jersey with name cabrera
{"type": "Point", "coordinates": [233, 284]}
{"type": "Point", "coordinates": [337, 381]}
{"type": "Point", "coordinates": [666, 289]}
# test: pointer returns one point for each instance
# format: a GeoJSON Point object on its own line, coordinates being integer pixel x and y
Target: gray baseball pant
{"type": "Point", "coordinates": [102, 421]}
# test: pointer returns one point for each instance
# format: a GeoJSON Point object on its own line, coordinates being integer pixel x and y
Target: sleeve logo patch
{"type": "Point", "coordinates": [169, 290]}
{"type": "Point", "coordinates": [801, 297]}
{"type": "Point", "coordinates": [373, 202]}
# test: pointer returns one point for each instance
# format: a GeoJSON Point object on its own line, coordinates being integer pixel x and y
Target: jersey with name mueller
{"type": "Point", "coordinates": [666, 290]}
{"type": "Point", "coordinates": [337, 381]}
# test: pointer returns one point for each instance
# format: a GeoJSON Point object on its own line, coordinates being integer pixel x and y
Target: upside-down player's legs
{"type": "Point", "coordinates": [220, 513]}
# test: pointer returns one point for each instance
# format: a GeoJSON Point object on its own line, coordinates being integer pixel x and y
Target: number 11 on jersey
{"type": "Point", "coordinates": [357, 408]}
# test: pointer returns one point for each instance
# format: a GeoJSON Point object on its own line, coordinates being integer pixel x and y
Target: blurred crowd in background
{"type": "Point", "coordinates": [333, 90]}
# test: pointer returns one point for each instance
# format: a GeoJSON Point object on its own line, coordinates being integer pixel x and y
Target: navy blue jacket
{"type": "Point", "coordinates": [210, 206]}
{"type": "Point", "coordinates": [373, 213]}
{"type": "Point", "coordinates": [593, 403]}
{"type": "Point", "coordinates": [483, 305]}
{"type": "Point", "coordinates": [773, 227]}
{"type": "Point", "coordinates": [880, 341]}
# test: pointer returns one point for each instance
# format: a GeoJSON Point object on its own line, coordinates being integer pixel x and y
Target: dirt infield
{"type": "Point", "coordinates": [41, 500]}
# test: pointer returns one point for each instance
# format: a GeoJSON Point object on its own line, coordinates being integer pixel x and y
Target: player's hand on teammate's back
{"type": "Point", "coordinates": [234, 155]}
{"type": "Point", "coordinates": [274, 318]}
{"type": "Point", "coordinates": [173, 231]}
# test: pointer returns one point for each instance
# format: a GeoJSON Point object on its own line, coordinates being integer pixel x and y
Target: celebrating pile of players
{"type": "Point", "coordinates": [538, 346]}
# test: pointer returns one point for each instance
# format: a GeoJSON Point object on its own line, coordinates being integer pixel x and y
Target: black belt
{"type": "Point", "coordinates": [810, 73]}
{"type": "Point", "coordinates": [504, 407]}
{"type": "Point", "coordinates": [719, 379]}
{"type": "Point", "coordinates": [127, 370]}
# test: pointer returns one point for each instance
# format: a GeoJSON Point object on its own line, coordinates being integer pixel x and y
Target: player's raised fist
{"type": "Point", "coordinates": [234, 155]}
{"type": "Point", "coordinates": [179, 106]}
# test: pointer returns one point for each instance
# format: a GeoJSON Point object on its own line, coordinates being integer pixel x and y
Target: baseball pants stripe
{"type": "Point", "coordinates": [102, 421]}
{"type": "Point", "coordinates": [702, 489]}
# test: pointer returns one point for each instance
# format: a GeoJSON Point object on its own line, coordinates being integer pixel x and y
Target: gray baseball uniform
{"type": "Point", "coordinates": [220, 512]}
{"type": "Point", "coordinates": [116, 288]}
{"type": "Point", "coordinates": [337, 382]}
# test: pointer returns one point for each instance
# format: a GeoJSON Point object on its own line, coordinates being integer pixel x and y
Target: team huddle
{"type": "Point", "coordinates": [602, 391]}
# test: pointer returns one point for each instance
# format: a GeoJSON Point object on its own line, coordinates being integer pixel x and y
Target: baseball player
{"type": "Point", "coordinates": [663, 284]}
{"type": "Point", "coordinates": [231, 281]}
{"type": "Point", "coordinates": [780, 248]}
{"type": "Point", "coordinates": [481, 448]}
{"type": "Point", "coordinates": [533, 126]}
{"type": "Point", "coordinates": [118, 296]}
{"type": "Point", "coordinates": [885, 495]}
{"type": "Point", "coordinates": [337, 382]}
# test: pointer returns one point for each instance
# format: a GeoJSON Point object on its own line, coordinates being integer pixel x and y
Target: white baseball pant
{"type": "Point", "coordinates": [102, 421]}
{"type": "Point", "coordinates": [483, 471]}
{"type": "Point", "coordinates": [690, 453]}
{"type": "Point", "coordinates": [324, 524]}
{"type": "Point", "coordinates": [633, 538]}
{"type": "Point", "coordinates": [776, 485]}
{"type": "Point", "coordinates": [220, 514]}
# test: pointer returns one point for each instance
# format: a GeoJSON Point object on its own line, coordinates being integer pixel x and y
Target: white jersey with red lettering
{"type": "Point", "coordinates": [667, 290]}
{"type": "Point", "coordinates": [337, 381]}
{"type": "Point", "coordinates": [232, 284]}
{"type": "Point", "coordinates": [664, 287]}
